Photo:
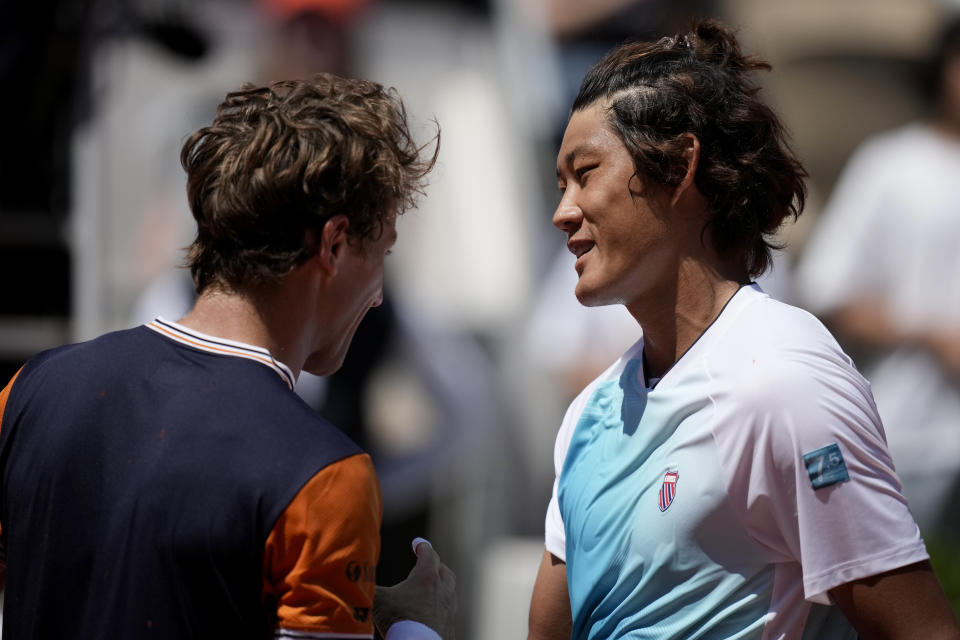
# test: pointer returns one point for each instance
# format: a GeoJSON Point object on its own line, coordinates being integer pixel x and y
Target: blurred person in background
{"type": "Point", "coordinates": [585, 31]}
{"type": "Point", "coordinates": [882, 269]}
{"type": "Point", "coordinates": [165, 481]}
{"type": "Point", "coordinates": [727, 476]}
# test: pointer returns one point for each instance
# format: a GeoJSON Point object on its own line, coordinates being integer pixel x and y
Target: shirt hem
{"type": "Point", "coordinates": [557, 547]}
{"type": "Point", "coordinates": [816, 588]}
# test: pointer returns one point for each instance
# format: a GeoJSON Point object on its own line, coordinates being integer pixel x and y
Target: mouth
{"type": "Point", "coordinates": [579, 248]}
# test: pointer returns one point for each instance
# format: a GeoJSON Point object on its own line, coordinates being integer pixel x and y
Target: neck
{"type": "Point", "coordinates": [255, 317]}
{"type": "Point", "coordinates": [675, 317]}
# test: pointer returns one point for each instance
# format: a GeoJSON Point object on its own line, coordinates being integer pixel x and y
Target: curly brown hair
{"type": "Point", "coordinates": [279, 161]}
{"type": "Point", "coordinates": [699, 83]}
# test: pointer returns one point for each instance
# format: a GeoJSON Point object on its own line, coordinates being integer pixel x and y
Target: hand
{"type": "Point", "coordinates": [428, 595]}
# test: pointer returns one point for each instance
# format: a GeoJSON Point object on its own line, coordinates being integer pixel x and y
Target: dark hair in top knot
{"type": "Point", "coordinates": [700, 83]}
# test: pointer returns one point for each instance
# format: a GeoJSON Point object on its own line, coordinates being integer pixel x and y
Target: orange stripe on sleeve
{"type": "Point", "coordinates": [4, 395]}
{"type": "Point", "coordinates": [321, 556]}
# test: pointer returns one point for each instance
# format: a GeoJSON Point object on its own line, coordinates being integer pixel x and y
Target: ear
{"type": "Point", "coordinates": [691, 155]}
{"type": "Point", "coordinates": [333, 241]}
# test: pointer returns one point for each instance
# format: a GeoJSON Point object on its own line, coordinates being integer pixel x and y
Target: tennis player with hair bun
{"type": "Point", "coordinates": [728, 476]}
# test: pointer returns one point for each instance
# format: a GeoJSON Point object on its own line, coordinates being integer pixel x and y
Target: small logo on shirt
{"type": "Point", "coordinates": [361, 614]}
{"type": "Point", "coordinates": [825, 466]}
{"type": "Point", "coordinates": [668, 490]}
{"type": "Point", "coordinates": [360, 572]}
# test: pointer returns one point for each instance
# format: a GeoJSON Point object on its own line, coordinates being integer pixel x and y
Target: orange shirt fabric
{"type": "Point", "coordinates": [320, 559]}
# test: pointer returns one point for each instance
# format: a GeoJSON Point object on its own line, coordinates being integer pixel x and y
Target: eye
{"type": "Point", "coordinates": [582, 172]}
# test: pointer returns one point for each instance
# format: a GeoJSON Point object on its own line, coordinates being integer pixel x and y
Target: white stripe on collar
{"type": "Point", "coordinates": [221, 346]}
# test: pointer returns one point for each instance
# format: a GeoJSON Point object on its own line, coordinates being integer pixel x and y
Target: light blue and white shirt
{"type": "Point", "coordinates": [727, 501]}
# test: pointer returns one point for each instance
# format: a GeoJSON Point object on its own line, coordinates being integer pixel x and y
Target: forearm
{"type": "Point", "coordinates": [902, 604]}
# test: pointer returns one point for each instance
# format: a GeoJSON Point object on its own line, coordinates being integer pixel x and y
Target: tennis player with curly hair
{"type": "Point", "coordinates": [166, 481]}
{"type": "Point", "coordinates": [728, 476]}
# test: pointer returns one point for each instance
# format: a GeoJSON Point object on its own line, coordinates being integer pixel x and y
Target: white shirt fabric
{"type": "Point", "coordinates": [891, 231]}
{"type": "Point", "coordinates": [752, 534]}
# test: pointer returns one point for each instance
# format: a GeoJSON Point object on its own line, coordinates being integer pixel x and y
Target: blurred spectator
{"type": "Point", "coordinates": [882, 267]}
{"type": "Point", "coordinates": [584, 31]}
{"type": "Point", "coordinates": [311, 36]}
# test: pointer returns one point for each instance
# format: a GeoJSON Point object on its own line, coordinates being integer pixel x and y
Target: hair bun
{"type": "Point", "coordinates": [714, 42]}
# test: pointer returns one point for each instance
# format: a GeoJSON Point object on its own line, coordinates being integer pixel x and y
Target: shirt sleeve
{"type": "Point", "coordinates": [555, 535]}
{"type": "Point", "coordinates": [807, 463]}
{"type": "Point", "coordinates": [321, 556]}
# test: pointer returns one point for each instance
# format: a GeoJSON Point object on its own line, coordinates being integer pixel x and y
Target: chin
{"type": "Point", "coordinates": [322, 367]}
{"type": "Point", "coordinates": [593, 296]}
{"type": "Point", "coordinates": [320, 371]}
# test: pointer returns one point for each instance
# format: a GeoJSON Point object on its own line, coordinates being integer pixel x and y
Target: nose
{"type": "Point", "coordinates": [568, 217]}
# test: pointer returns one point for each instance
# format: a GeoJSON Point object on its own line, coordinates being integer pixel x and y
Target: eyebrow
{"type": "Point", "coordinates": [581, 148]}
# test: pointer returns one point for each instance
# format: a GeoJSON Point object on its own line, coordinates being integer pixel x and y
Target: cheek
{"type": "Point", "coordinates": [615, 210]}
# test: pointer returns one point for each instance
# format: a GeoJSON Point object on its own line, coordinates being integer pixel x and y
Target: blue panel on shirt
{"type": "Point", "coordinates": [633, 570]}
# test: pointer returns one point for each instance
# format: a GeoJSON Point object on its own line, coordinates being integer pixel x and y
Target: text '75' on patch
{"type": "Point", "coordinates": [826, 466]}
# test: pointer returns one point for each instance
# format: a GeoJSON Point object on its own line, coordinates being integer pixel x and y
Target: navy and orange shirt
{"type": "Point", "coordinates": [161, 483]}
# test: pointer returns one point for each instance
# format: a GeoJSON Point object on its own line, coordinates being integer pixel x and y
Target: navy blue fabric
{"type": "Point", "coordinates": [139, 480]}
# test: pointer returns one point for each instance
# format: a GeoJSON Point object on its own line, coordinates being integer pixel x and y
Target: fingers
{"type": "Point", "coordinates": [427, 558]}
{"type": "Point", "coordinates": [424, 549]}
{"type": "Point", "coordinates": [417, 541]}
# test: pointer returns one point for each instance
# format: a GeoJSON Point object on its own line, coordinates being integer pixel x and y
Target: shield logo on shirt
{"type": "Point", "coordinates": [668, 490]}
